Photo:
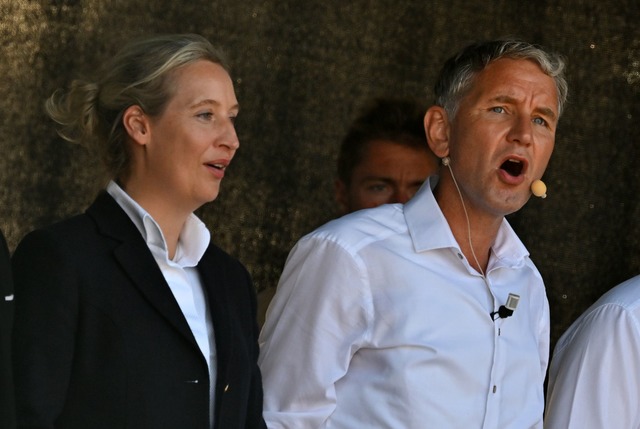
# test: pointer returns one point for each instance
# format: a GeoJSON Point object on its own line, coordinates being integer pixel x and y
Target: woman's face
{"type": "Point", "coordinates": [192, 142]}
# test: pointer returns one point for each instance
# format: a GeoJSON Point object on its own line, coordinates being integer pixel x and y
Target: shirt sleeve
{"type": "Point", "coordinates": [544, 336]}
{"type": "Point", "coordinates": [317, 320]}
{"type": "Point", "coordinates": [595, 376]}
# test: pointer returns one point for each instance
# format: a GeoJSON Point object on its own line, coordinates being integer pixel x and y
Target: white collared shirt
{"type": "Point", "coordinates": [594, 377]}
{"type": "Point", "coordinates": [181, 273]}
{"type": "Point", "coordinates": [380, 321]}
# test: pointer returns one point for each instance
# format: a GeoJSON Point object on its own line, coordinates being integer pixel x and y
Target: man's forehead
{"type": "Point", "coordinates": [509, 80]}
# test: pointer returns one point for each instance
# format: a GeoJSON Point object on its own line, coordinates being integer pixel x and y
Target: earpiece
{"type": "Point", "coordinates": [539, 189]}
{"type": "Point", "coordinates": [446, 161]}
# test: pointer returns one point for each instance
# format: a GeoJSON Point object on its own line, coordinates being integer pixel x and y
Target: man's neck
{"type": "Point", "coordinates": [474, 230]}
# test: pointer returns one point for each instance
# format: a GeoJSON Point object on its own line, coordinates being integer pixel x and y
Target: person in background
{"type": "Point", "coordinates": [431, 313]}
{"type": "Point", "coordinates": [128, 316]}
{"type": "Point", "coordinates": [384, 157]}
{"type": "Point", "coordinates": [594, 376]}
{"type": "Point", "coordinates": [7, 407]}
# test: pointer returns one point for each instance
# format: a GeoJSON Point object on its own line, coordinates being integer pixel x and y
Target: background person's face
{"type": "Point", "coordinates": [388, 173]}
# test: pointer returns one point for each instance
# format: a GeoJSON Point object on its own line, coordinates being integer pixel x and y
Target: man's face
{"type": "Point", "coordinates": [503, 134]}
{"type": "Point", "coordinates": [388, 173]}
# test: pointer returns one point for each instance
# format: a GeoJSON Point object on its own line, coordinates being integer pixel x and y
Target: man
{"type": "Point", "coordinates": [7, 414]}
{"type": "Point", "coordinates": [384, 157]}
{"type": "Point", "coordinates": [594, 378]}
{"type": "Point", "coordinates": [398, 316]}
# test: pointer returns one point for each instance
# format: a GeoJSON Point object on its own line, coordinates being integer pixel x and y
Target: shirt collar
{"type": "Point", "coordinates": [429, 228]}
{"type": "Point", "coordinates": [194, 237]}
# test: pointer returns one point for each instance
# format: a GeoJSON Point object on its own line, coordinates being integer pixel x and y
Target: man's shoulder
{"type": "Point", "coordinates": [626, 294]}
{"type": "Point", "coordinates": [363, 226]}
{"type": "Point", "coordinates": [604, 321]}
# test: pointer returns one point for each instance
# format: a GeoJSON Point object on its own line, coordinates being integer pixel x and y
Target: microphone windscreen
{"type": "Point", "coordinates": [539, 189]}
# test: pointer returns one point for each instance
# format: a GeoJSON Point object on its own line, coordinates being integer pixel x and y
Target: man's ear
{"type": "Point", "coordinates": [436, 126]}
{"type": "Point", "coordinates": [136, 123]}
{"type": "Point", "coordinates": [342, 196]}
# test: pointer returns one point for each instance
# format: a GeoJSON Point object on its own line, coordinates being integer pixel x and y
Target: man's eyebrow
{"type": "Point", "coordinates": [545, 111]}
{"type": "Point", "coordinates": [372, 178]}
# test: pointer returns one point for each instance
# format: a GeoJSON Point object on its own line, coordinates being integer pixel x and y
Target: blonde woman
{"type": "Point", "coordinates": [127, 316]}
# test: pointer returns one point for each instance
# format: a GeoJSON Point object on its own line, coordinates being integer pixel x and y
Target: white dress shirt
{"type": "Point", "coordinates": [379, 321]}
{"type": "Point", "coordinates": [594, 377]}
{"type": "Point", "coordinates": [181, 273]}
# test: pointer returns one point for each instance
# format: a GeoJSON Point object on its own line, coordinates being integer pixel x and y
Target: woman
{"type": "Point", "coordinates": [127, 316]}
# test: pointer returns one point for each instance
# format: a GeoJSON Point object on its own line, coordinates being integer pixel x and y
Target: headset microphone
{"type": "Point", "coordinates": [512, 301]}
{"type": "Point", "coordinates": [539, 189]}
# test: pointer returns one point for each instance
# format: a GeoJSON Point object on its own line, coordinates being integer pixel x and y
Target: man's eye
{"type": "Point", "coordinates": [378, 188]}
{"type": "Point", "coordinates": [498, 109]}
{"type": "Point", "coordinates": [540, 121]}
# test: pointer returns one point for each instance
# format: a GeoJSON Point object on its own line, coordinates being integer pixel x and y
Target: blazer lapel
{"type": "Point", "coordinates": [136, 260]}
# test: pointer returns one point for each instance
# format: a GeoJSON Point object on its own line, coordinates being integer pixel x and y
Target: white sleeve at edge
{"type": "Point", "coordinates": [594, 380]}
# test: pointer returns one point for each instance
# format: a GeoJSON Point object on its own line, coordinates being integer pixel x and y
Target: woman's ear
{"type": "Point", "coordinates": [136, 123]}
{"type": "Point", "coordinates": [436, 126]}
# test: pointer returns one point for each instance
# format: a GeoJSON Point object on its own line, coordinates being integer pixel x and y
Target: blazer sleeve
{"type": "Point", "coordinates": [7, 413]}
{"type": "Point", "coordinates": [46, 309]}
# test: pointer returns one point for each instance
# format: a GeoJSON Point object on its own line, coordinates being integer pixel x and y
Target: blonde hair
{"type": "Point", "coordinates": [139, 74]}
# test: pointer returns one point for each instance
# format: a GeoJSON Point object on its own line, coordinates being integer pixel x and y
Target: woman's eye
{"type": "Point", "coordinates": [205, 115]}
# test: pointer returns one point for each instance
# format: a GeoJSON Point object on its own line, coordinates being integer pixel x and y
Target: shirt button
{"type": "Point", "coordinates": [460, 256]}
{"type": "Point", "coordinates": [495, 388]}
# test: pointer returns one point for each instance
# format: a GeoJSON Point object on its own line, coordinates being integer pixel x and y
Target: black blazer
{"type": "Point", "coordinates": [7, 413]}
{"type": "Point", "coordinates": [100, 341]}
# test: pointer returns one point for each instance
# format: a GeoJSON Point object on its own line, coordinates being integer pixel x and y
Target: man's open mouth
{"type": "Point", "coordinates": [513, 167]}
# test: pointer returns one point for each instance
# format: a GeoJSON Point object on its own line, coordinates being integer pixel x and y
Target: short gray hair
{"type": "Point", "coordinates": [458, 73]}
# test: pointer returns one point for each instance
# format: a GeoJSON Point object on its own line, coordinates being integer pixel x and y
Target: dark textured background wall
{"type": "Point", "coordinates": [301, 69]}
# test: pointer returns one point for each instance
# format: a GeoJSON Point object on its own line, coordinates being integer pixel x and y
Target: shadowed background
{"type": "Point", "coordinates": [302, 69]}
